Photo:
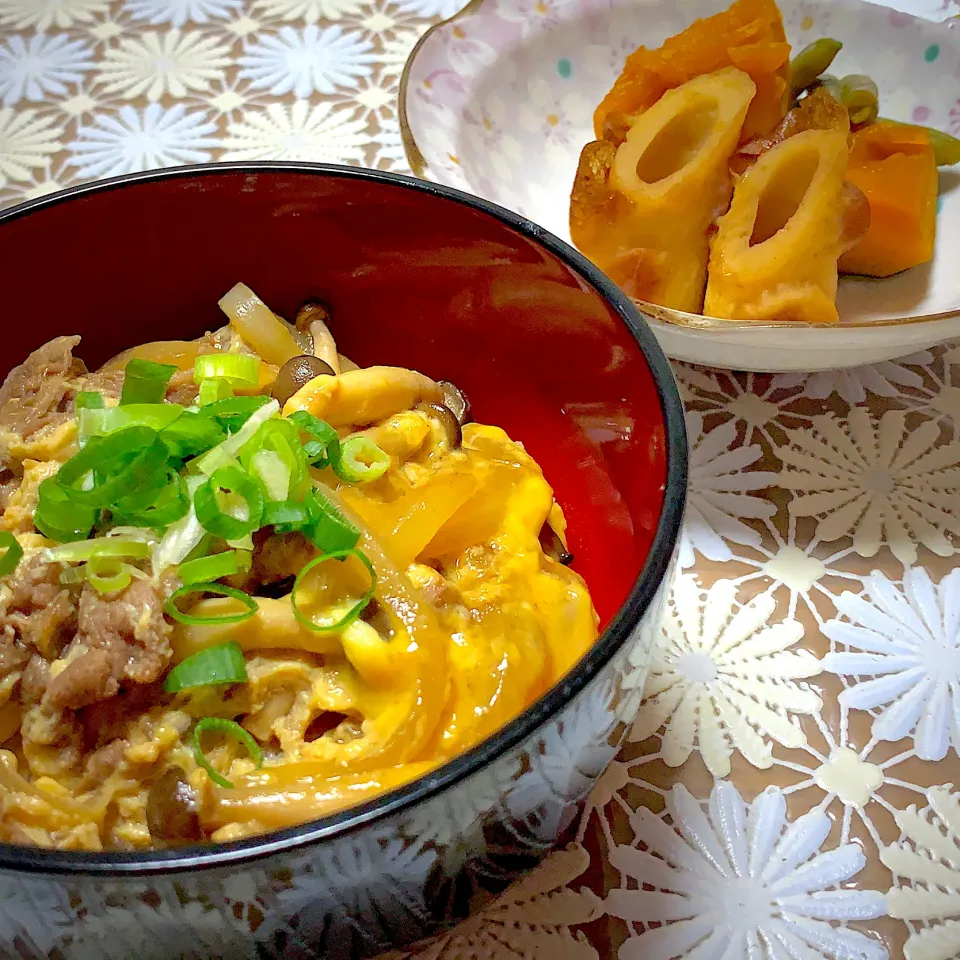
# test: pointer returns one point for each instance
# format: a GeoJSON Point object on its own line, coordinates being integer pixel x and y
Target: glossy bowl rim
{"type": "Point", "coordinates": [699, 323]}
{"type": "Point", "coordinates": [652, 575]}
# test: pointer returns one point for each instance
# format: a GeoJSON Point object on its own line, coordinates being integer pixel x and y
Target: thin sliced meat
{"type": "Point", "coordinates": [39, 609]}
{"type": "Point", "coordinates": [38, 393]}
{"type": "Point", "coordinates": [120, 641]}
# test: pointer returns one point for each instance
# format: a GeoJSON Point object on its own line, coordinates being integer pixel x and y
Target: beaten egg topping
{"type": "Point", "coordinates": [471, 619]}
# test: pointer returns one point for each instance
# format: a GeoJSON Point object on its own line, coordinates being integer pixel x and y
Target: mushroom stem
{"type": "Point", "coordinates": [313, 316]}
{"type": "Point", "coordinates": [324, 346]}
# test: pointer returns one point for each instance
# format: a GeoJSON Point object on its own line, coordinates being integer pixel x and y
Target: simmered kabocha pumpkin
{"type": "Point", "coordinates": [641, 211]}
{"type": "Point", "coordinates": [749, 36]}
{"type": "Point", "coordinates": [775, 253]}
{"type": "Point", "coordinates": [895, 165]}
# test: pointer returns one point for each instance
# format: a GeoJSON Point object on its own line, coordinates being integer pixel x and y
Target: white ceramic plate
{"type": "Point", "coordinates": [498, 101]}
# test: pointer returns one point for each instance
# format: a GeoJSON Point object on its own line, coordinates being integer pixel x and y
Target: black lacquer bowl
{"type": "Point", "coordinates": [422, 276]}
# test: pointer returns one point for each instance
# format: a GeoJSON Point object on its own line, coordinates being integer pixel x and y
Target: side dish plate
{"type": "Point", "coordinates": [498, 101]}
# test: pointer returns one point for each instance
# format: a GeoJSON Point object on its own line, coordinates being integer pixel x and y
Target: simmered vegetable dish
{"type": "Point", "coordinates": [245, 583]}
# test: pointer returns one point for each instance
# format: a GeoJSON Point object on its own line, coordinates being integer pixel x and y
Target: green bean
{"type": "Point", "coordinates": [945, 148]}
{"type": "Point", "coordinates": [860, 96]}
{"type": "Point", "coordinates": [810, 62]}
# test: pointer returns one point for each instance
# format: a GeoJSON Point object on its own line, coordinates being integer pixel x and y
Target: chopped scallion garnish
{"type": "Point", "coordinates": [219, 589]}
{"type": "Point", "coordinates": [285, 517]}
{"type": "Point", "coordinates": [88, 400]}
{"type": "Point", "coordinates": [129, 463]}
{"type": "Point", "coordinates": [214, 567]}
{"type": "Point", "coordinates": [233, 412]}
{"type": "Point", "coordinates": [213, 390]}
{"type": "Point", "coordinates": [93, 422]}
{"type": "Point", "coordinates": [145, 381]}
{"type": "Point", "coordinates": [219, 664]}
{"type": "Point", "coordinates": [353, 612]}
{"type": "Point", "coordinates": [229, 482]}
{"type": "Point", "coordinates": [361, 460]}
{"type": "Point", "coordinates": [102, 547]}
{"type": "Point", "coordinates": [329, 529]}
{"type": "Point", "coordinates": [236, 367]}
{"type": "Point", "coordinates": [60, 518]}
{"type": "Point", "coordinates": [108, 574]}
{"type": "Point", "coordinates": [12, 552]}
{"type": "Point", "coordinates": [229, 728]}
{"type": "Point", "coordinates": [190, 435]}
{"type": "Point", "coordinates": [323, 449]}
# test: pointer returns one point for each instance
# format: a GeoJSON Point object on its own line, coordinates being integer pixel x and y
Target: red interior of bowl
{"type": "Point", "coordinates": [413, 280]}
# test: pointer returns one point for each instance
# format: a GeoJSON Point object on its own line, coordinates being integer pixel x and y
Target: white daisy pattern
{"type": "Point", "coordinates": [902, 646]}
{"type": "Point", "coordinates": [155, 64]}
{"type": "Point", "coordinates": [309, 10]}
{"type": "Point", "coordinates": [307, 61]}
{"type": "Point", "coordinates": [298, 132]}
{"type": "Point", "coordinates": [722, 492]}
{"type": "Point", "coordinates": [726, 678]}
{"type": "Point", "coordinates": [142, 139]}
{"type": "Point", "coordinates": [178, 13]}
{"type": "Point", "coordinates": [884, 379]}
{"type": "Point", "coordinates": [41, 67]}
{"type": "Point", "coordinates": [738, 879]}
{"type": "Point", "coordinates": [925, 863]}
{"type": "Point", "coordinates": [431, 9]}
{"type": "Point", "coordinates": [27, 141]}
{"type": "Point", "coordinates": [881, 480]}
{"type": "Point", "coordinates": [41, 15]}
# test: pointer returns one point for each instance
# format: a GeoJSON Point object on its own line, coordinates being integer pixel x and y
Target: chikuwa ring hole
{"type": "Point", "coordinates": [783, 194]}
{"type": "Point", "coordinates": [678, 142]}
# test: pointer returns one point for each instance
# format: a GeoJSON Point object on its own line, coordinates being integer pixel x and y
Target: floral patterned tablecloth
{"type": "Point", "coordinates": [791, 786]}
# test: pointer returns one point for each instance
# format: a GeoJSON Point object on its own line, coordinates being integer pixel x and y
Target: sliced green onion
{"type": "Point", "coordinates": [131, 463]}
{"type": "Point", "coordinates": [190, 435]}
{"type": "Point", "coordinates": [102, 547]}
{"type": "Point", "coordinates": [102, 422]}
{"type": "Point", "coordinates": [213, 460]}
{"type": "Point", "coordinates": [108, 574]}
{"type": "Point", "coordinates": [324, 447]}
{"type": "Point", "coordinates": [354, 611]}
{"type": "Point", "coordinates": [273, 474]}
{"type": "Point", "coordinates": [170, 505]}
{"type": "Point", "coordinates": [213, 390]}
{"type": "Point", "coordinates": [220, 523]}
{"type": "Point", "coordinates": [12, 552]}
{"type": "Point", "coordinates": [282, 438]}
{"type": "Point", "coordinates": [329, 529]}
{"type": "Point", "coordinates": [238, 367]}
{"type": "Point", "coordinates": [233, 412]}
{"type": "Point", "coordinates": [242, 543]}
{"type": "Point", "coordinates": [60, 518]}
{"type": "Point", "coordinates": [361, 460]}
{"type": "Point", "coordinates": [183, 538]}
{"type": "Point", "coordinates": [236, 441]}
{"type": "Point", "coordinates": [88, 400]}
{"type": "Point", "coordinates": [214, 567]}
{"type": "Point", "coordinates": [221, 590]}
{"type": "Point", "coordinates": [222, 663]}
{"type": "Point", "coordinates": [71, 575]}
{"type": "Point", "coordinates": [231, 729]}
{"type": "Point", "coordinates": [286, 516]}
{"type": "Point", "coordinates": [145, 381]}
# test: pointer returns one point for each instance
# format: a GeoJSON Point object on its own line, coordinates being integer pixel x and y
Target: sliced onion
{"type": "Point", "coordinates": [258, 326]}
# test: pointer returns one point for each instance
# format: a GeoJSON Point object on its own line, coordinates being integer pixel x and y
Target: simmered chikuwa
{"type": "Point", "coordinates": [245, 583]}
